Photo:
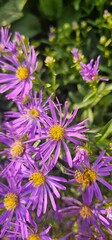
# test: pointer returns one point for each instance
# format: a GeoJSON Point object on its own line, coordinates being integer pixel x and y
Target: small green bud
{"type": "Point", "coordinates": [103, 40]}
{"type": "Point", "coordinates": [75, 25]}
{"type": "Point", "coordinates": [107, 53]}
{"type": "Point", "coordinates": [106, 14]}
{"type": "Point", "coordinates": [83, 24]}
{"type": "Point", "coordinates": [66, 26]}
{"type": "Point", "coordinates": [49, 61]}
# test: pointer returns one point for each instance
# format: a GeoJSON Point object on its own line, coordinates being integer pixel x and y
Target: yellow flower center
{"type": "Point", "coordinates": [34, 113]}
{"type": "Point", "coordinates": [5, 238]}
{"type": "Point", "coordinates": [17, 149]}
{"type": "Point", "coordinates": [37, 179]}
{"type": "Point", "coordinates": [79, 176]}
{"type": "Point", "coordinates": [85, 212]}
{"type": "Point", "coordinates": [56, 132]}
{"type": "Point", "coordinates": [88, 177]}
{"type": "Point", "coordinates": [34, 237]}
{"type": "Point", "coordinates": [11, 201]}
{"type": "Point", "coordinates": [22, 73]}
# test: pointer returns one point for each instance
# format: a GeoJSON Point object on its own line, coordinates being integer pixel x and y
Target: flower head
{"type": "Point", "coordinates": [88, 215]}
{"type": "Point", "coordinates": [57, 131]}
{"type": "Point", "coordinates": [13, 200]}
{"type": "Point", "coordinates": [19, 77]}
{"type": "Point", "coordinates": [77, 55]}
{"type": "Point", "coordinates": [15, 149]}
{"type": "Point", "coordinates": [81, 155]}
{"type": "Point", "coordinates": [30, 115]}
{"type": "Point", "coordinates": [40, 186]}
{"type": "Point", "coordinates": [39, 235]}
{"type": "Point", "coordinates": [88, 175]}
{"type": "Point", "coordinates": [90, 71]}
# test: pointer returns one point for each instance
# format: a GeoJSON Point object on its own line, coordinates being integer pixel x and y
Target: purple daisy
{"type": "Point", "coordinates": [20, 73]}
{"type": "Point", "coordinates": [39, 235]}
{"type": "Point", "coordinates": [15, 149]}
{"type": "Point", "coordinates": [89, 72]}
{"type": "Point", "coordinates": [30, 115]}
{"type": "Point", "coordinates": [88, 215]}
{"type": "Point", "coordinates": [41, 185]}
{"type": "Point", "coordinates": [88, 175]}
{"type": "Point", "coordinates": [4, 38]}
{"type": "Point", "coordinates": [55, 133]}
{"type": "Point", "coordinates": [32, 234]}
{"type": "Point", "coordinates": [77, 55]}
{"type": "Point", "coordinates": [81, 236]}
{"type": "Point", "coordinates": [81, 155]}
{"type": "Point", "coordinates": [12, 202]}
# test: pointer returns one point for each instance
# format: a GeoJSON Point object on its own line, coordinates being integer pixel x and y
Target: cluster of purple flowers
{"type": "Point", "coordinates": [90, 71]}
{"type": "Point", "coordinates": [35, 137]}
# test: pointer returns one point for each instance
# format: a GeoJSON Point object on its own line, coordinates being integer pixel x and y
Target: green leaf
{"type": "Point", "coordinates": [106, 131]}
{"type": "Point", "coordinates": [11, 11]}
{"type": "Point", "coordinates": [21, 4]}
{"type": "Point", "coordinates": [51, 9]}
{"type": "Point", "coordinates": [81, 89]}
{"type": "Point", "coordinates": [28, 25]}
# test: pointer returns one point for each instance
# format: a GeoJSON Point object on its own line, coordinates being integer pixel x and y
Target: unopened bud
{"type": "Point", "coordinates": [49, 61]}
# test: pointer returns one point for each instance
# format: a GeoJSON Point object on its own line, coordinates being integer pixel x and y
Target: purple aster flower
{"type": "Point", "coordinates": [81, 236]}
{"type": "Point", "coordinates": [12, 202]}
{"type": "Point", "coordinates": [76, 55]}
{"type": "Point", "coordinates": [55, 133]}
{"type": "Point", "coordinates": [81, 155]}
{"type": "Point", "coordinates": [89, 72]}
{"type": "Point", "coordinates": [30, 115]}
{"type": "Point", "coordinates": [88, 215]}
{"type": "Point", "coordinates": [39, 235]}
{"type": "Point", "coordinates": [15, 148]}
{"type": "Point", "coordinates": [88, 175]}
{"type": "Point", "coordinates": [41, 185]}
{"type": "Point", "coordinates": [19, 77]}
{"type": "Point", "coordinates": [4, 38]}
{"type": "Point", "coordinates": [32, 234]}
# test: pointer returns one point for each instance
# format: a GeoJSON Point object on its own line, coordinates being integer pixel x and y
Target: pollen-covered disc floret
{"type": "Point", "coordinates": [37, 178]}
{"type": "Point", "coordinates": [11, 201]}
{"type": "Point", "coordinates": [85, 212]}
{"type": "Point", "coordinates": [22, 73]}
{"type": "Point", "coordinates": [1, 47]}
{"type": "Point", "coordinates": [5, 238]}
{"type": "Point", "coordinates": [89, 176]}
{"type": "Point", "coordinates": [33, 237]}
{"type": "Point", "coordinates": [34, 113]}
{"type": "Point", "coordinates": [56, 132]}
{"type": "Point", "coordinates": [79, 176]}
{"type": "Point", "coordinates": [85, 178]}
{"type": "Point", "coordinates": [17, 149]}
